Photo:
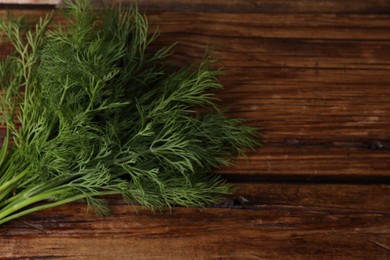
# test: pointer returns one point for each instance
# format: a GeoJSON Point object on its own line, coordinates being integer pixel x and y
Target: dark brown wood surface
{"type": "Point", "coordinates": [280, 221]}
{"type": "Point", "coordinates": [30, 2]}
{"type": "Point", "coordinates": [314, 76]}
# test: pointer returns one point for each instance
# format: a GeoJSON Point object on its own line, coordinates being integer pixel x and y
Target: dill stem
{"type": "Point", "coordinates": [5, 193]}
{"type": "Point", "coordinates": [41, 207]}
{"type": "Point", "coordinates": [129, 157]}
{"type": "Point", "coordinates": [19, 195]}
{"type": "Point", "coordinates": [5, 217]}
{"type": "Point", "coordinates": [13, 207]}
{"type": "Point", "coordinates": [22, 195]}
{"type": "Point", "coordinates": [4, 171]}
{"type": "Point", "coordinates": [14, 180]}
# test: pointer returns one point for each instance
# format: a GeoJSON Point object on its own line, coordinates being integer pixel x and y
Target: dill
{"type": "Point", "coordinates": [91, 110]}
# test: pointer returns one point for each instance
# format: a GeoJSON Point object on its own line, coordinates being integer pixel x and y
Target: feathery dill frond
{"type": "Point", "coordinates": [101, 114]}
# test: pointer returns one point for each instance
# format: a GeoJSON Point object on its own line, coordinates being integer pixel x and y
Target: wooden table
{"type": "Point", "coordinates": [315, 77]}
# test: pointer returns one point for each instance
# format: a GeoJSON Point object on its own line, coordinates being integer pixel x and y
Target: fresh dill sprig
{"type": "Point", "coordinates": [91, 110]}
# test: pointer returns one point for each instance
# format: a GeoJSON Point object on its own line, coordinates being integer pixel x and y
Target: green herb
{"type": "Point", "coordinates": [91, 110]}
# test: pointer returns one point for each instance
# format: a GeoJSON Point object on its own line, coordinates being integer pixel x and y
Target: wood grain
{"type": "Point", "coordinates": [292, 228]}
{"type": "Point", "coordinates": [365, 198]}
{"type": "Point", "coordinates": [313, 75]}
{"type": "Point", "coordinates": [242, 6]}
{"type": "Point", "coordinates": [265, 6]}
{"type": "Point", "coordinates": [31, 2]}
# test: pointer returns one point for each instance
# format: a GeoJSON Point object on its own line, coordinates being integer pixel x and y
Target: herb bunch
{"type": "Point", "coordinates": [91, 110]}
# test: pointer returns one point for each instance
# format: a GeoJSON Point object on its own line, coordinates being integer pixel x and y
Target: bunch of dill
{"type": "Point", "coordinates": [91, 110]}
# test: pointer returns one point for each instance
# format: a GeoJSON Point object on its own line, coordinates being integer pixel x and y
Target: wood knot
{"type": "Point", "coordinates": [239, 201]}
{"type": "Point", "coordinates": [375, 145]}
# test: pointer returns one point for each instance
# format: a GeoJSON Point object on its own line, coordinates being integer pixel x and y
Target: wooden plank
{"type": "Point", "coordinates": [312, 162]}
{"type": "Point", "coordinates": [264, 6]}
{"type": "Point", "coordinates": [257, 25]}
{"type": "Point", "coordinates": [31, 2]}
{"type": "Point", "coordinates": [260, 26]}
{"type": "Point", "coordinates": [242, 6]}
{"type": "Point", "coordinates": [355, 197]}
{"type": "Point", "coordinates": [287, 224]}
{"type": "Point", "coordinates": [275, 53]}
